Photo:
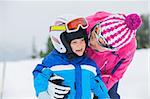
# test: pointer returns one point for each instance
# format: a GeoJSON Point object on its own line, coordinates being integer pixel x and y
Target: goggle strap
{"type": "Point", "coordinates": [57, 28]}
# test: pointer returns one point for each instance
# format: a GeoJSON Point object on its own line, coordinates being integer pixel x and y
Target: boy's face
{"type": "Point", "coordinates": [78, 46]}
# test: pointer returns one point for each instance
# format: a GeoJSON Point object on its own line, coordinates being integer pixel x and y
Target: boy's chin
{"type": "Point", "coordinates": [79, 54]}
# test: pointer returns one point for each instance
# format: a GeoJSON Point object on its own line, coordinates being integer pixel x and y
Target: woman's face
{"type": "Point", "coordinates": [94, 44]}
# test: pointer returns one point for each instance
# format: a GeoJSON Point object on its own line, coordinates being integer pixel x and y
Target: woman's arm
{"type": "Point", "coordinates": [126, 54]}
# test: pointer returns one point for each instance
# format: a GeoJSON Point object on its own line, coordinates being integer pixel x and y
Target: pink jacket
{"type": "Point", "coordinates": [112, 64]}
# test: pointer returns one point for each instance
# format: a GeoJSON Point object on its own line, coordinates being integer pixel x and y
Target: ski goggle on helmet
{"type": "Point", "coordinates": [100, 38]}
{"type": "Point", "coordinates": [71, 26]}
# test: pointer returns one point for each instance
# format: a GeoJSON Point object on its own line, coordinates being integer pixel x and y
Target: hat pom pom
{"type": "Point", "coordinates": [133, 21]}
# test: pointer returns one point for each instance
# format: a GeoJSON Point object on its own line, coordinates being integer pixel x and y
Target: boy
{"type": "Point", "coordinates": [68, 65]}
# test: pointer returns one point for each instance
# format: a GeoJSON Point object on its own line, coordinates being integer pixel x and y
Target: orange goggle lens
{"type": "Point", "coordinates": [74, 24]}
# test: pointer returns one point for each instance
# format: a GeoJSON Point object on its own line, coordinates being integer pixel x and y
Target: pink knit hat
{"type": "Point", "coordinates": [118, 29]}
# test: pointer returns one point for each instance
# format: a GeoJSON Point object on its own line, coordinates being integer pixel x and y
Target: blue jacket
{"type": "Point", "coordinates": [80, 74]}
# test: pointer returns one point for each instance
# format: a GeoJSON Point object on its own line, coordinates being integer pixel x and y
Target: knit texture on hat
{"type": "Point", "coordinates": [118, 30]}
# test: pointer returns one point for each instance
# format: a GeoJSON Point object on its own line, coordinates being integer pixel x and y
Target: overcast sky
{"type": "Point", "coordinates": [22, 21]}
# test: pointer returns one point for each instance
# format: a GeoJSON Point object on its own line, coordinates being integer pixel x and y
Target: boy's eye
{"type": "Point", "coordinates": [82, 39]}
{"type": "Point", "coordinates": [74, 42]}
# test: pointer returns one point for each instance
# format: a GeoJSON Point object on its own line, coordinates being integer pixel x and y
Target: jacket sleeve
{"type": "Point", "coordinates": [117, 74]}
{"type": "Point", "coordinates": [41, 81]}
{"type": "Point", "coordinates": [98, 87]}
{"type": "Point", "coordinates": [41, 75]}
{"type": "Point", "coordinates": [38, 69]}
{"type": "Point", "coordinates": [46, 63]}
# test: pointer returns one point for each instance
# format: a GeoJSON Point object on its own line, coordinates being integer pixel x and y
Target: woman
{"type": "Point", "coordinates": [112, 45]}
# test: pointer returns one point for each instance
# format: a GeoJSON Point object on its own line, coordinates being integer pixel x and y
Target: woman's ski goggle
{"type": "Point", "coordinates": [71, 26]}
{"type": "Point", "coordinates": [100, 39]}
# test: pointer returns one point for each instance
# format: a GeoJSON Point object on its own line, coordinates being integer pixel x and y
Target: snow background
{"type": "Point", "coordinates": [18, 81]}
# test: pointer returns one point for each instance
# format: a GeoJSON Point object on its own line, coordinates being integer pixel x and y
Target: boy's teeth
{"type": "Point", "coordinates": [79, 50]}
